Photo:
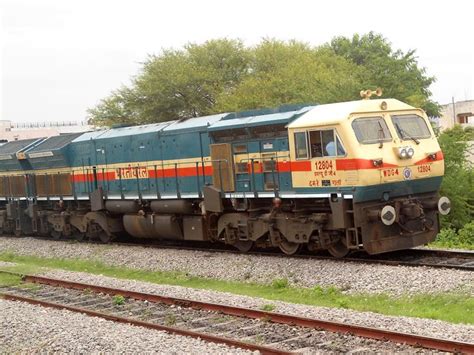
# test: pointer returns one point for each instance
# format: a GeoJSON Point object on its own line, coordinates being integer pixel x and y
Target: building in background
{"type": "Point", "coordinates": [461, 112]}
{"type": "Point", "coordinates": [10, 131]}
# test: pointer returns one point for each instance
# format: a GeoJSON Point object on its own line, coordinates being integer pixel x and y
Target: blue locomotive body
{"type": "Point", "coordinates": [288, 177]}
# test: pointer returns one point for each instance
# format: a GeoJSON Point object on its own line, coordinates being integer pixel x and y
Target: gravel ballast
{"type": "Point", "coordinates": [25, 328]}
{"type": "Point", "coordinates": [347, 276]}
{"type": "Point", "coordinates": [426, 327]}
{"type": "Point", "coordinates": [6, 264]}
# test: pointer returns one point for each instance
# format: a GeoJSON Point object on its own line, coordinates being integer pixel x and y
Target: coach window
{"type": "Point", "coordinates": [325, 143]}
{"type": "Point", "coordinates": [301, 145]}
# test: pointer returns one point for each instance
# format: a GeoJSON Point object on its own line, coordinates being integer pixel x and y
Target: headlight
{"type": "Point", "coordinates": [406, 152]}
{"type": "Point", "coordinates": [402, 153]}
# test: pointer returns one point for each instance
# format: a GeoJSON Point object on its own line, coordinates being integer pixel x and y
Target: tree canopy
{"type": "Point", "coordinates": [225, 75]}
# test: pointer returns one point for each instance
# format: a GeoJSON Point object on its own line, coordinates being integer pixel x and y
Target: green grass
{"type": "Point", "coordinates": [450, 245]}
{"type": "Point", "coordinates": [268, 307]}
{"type": "Point", "coordinates": [9, 280]}
{"type": "Point", "coordinates": [451, 307]}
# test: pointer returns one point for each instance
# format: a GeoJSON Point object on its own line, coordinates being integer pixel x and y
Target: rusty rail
{"type": "Point", "coordinates": [173, 330]}
{"type": "Point", "coordinates": [361, 331]}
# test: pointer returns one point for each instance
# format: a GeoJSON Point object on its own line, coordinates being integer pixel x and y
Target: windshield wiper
{"type": "Point", "coordinates": [404, 133]}
{"type": "Point", "coordinates": [381, 135]}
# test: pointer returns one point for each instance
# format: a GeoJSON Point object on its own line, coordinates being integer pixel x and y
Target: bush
{"type": "Point", "coordinates": [466, 234]}
{"type": "Point", "coordinates": [463, 238]}
{"type": "Point", "coordinates": [458, 181]}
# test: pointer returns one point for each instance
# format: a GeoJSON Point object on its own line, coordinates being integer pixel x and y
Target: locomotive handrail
{"type": "Point", "coordinates": [199, 164]}
{"type": "Point", "coordinates": [274, 157]}
{"type": "Point", "coordinates": [99, 177]}
{"type": "Point", "coordinates": [252, 172]}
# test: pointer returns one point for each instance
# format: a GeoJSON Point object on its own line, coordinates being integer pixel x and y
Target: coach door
{"type": "Point", "coordinates": [222, 166]}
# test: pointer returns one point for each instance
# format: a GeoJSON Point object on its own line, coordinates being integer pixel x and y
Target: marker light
{"type": "Point", "coordinates": [433, 156]}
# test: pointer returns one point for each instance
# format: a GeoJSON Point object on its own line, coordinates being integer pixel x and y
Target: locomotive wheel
{"type": "Point", "coordinates": [77, 235]}
{"type": "Point", "coordinates": [289, 248]}
{"type": "Point", "coordinates": [56, 235]}
{"type": "Point", "coordinates": [338, 249]}
{"type": "Point", "coordinates": [244, 245]}
{"type": "Point", "coordinates": [105, 238]}
{"type": "Point", "coordinates": [95, 231]}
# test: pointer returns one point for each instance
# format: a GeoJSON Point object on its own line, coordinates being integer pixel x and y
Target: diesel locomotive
{"type": "Point", "coordinates": [359, 175]}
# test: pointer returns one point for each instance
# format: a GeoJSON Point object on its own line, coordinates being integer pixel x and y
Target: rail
{"type": "Point", "coordinates": [232, 311]}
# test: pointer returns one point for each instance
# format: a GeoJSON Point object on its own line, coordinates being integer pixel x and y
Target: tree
{"type": "Point", "coordinates": [122, 106]}
{"type": "Point", "coordinates": [396, 72]}
{"type": "Point", "coordinates": [292, 72]}
{"type": "Point", "coordinates": [224, 75]}
{"type": "Point", "coordinates": [176, 84]}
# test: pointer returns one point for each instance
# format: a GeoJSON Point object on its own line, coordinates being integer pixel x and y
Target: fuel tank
{"type": "Point", "coordinates": [153, 226]}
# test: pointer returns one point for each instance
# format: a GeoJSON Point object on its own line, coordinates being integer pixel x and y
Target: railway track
{"type": "Point", "coordinates": [266, 332]}
{"type": "Point", "coordinates": [434, 258]}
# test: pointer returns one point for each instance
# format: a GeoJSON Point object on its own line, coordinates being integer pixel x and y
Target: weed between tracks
{"type": "Point", "coordinates": [451, 307]}
{"type": "Point", "coordinates": [119, 300]}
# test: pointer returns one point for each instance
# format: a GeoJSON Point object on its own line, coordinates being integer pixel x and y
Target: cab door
{"type": "Point", "coordinates": [317, 152]}
{"type": "Point", "coordinates": [323, 150]}
{"type": "Point", "coordinates": [222, 166]}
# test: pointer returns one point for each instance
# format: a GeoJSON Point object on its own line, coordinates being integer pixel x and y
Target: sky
{"type": "Point", "coordinates": [60, 57]}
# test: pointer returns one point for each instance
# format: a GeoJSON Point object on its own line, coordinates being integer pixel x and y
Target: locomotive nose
{"type": "Point", "coordinates": [444, 205]}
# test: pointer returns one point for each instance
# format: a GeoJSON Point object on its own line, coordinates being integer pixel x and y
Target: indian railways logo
{"type": "Point", "coordinates": [407, 173]}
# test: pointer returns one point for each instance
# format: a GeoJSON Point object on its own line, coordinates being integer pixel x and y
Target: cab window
{"type": "Point", "coordinates": [410, 126]}
{"type": "Point", "coordinates": [325, 143]}
{"type": "Point", "coordinates": [370, 130]}
{"type": "Point", "coordinates": [301, 145]}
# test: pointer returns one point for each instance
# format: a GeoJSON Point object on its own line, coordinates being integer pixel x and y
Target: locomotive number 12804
{"type": "Point", "coordinates": [424, 168]}
{"type": "Point", "coordinates": [323, 165]}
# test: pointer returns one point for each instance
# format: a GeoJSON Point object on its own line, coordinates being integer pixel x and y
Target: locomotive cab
{"type": "Point", "coordinates": [382, 157]}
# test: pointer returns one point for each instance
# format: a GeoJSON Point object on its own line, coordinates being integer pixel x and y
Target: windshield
{"type": "Point", "coordinates": [371, 130]}
{"type": "Point", "coordinates": [411, 127]}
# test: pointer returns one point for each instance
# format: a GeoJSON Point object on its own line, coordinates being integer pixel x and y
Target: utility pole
{"type": "Point", "coordinates": [454, 111]}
